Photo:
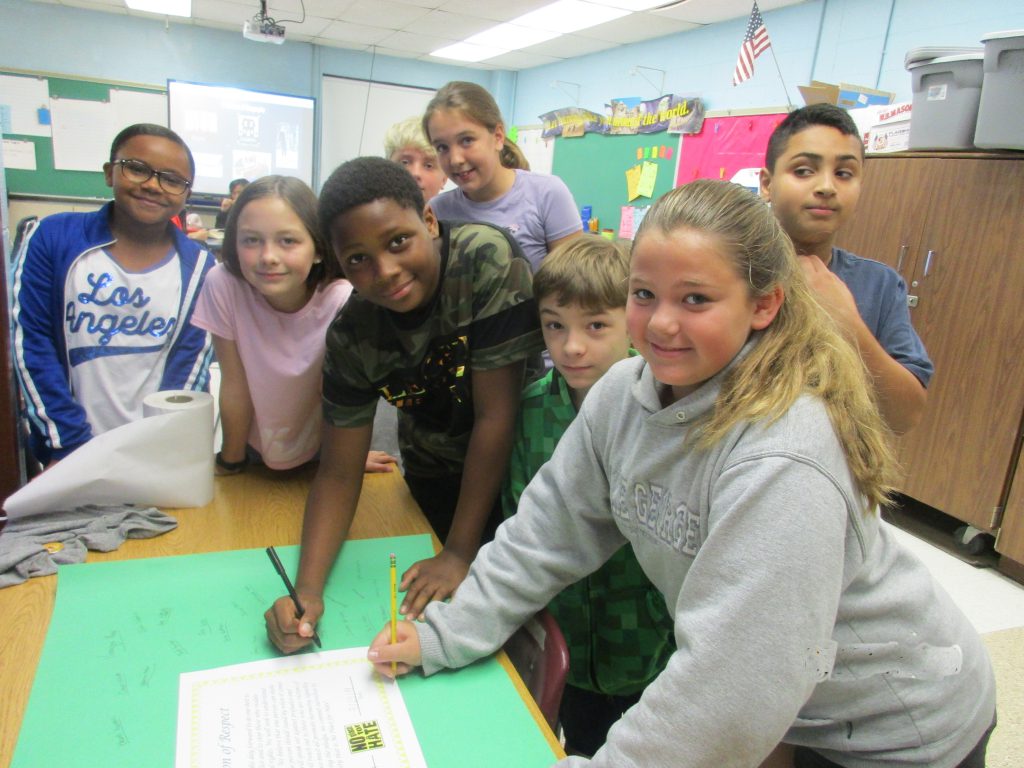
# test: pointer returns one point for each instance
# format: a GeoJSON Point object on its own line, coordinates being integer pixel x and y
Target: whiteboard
{"type": "Point", "coordinates": [79, 136]}
{"type": "Point", "coordinates": [355, 115]}
{"type": "Point", "coordinates": [84, 130]}
{"type": "Point", "coordinates": [25, 96]}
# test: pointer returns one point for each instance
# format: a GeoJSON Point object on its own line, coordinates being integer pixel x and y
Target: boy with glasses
{"type": "Point", "coordinates": [102, 300]}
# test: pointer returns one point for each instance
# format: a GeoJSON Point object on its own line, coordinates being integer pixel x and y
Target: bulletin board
{"type": "Point", "coordinates": [725, 146]}
{"type": "Point", "coordinates": [63, 127]}
{"type": "Point", "coordinates": [594, 167]}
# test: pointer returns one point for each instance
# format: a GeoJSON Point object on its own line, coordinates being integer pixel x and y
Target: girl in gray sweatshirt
{"type": "Point", "coordinates": [744, 459]}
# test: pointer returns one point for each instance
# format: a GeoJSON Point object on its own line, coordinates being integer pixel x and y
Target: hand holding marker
{"type": "Point", "coordinates": [299, 610]}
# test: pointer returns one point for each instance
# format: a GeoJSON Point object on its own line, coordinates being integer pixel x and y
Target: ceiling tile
{"type": "Point", "coordinates": [497, 10]}
{"type": "Point", "coordinates": [389, 15]}
{"type": "Point", "coordinates": [568, 46]}
{"type": "Point", "coordinates": [634, 28]}
{"type": "Point", "coordinates": [523, 59]}
{"type": "Point", "coordinates": [358, 34]}
{"type": "Point", "coordinates": [413, 43]}
{"type": "Point", "coordinates": [326, 9]}
{"type": "Point", "coordinates": [713, 11]}
{"type": "Point", "coordinates": [451, 26]}
{"type": "Point", "coordinates": [398, 53]}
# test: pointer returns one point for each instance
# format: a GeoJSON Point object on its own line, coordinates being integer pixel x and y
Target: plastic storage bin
{"type": "Point", "coordinates": [1001, 111]}
{"type": "Point", "coordinates": [947, 91]}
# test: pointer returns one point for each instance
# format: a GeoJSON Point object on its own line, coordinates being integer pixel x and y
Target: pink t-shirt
{"type": "Point", "coordinates": [283, 355]}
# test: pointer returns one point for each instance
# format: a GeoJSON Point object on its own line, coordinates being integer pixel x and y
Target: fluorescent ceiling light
{"type": "Point", "coordinates": [535, 27]}
{"type": "Point", "coordinates": [469, 52]}
{"type": "Point", "coordinates": [632, 5]}
{"type": "Point", "coordinates": [163, 7]}
{"type": "Point", "coordinates": [511, 37]}
{"type": "Point", "coordinates": [568, 16]}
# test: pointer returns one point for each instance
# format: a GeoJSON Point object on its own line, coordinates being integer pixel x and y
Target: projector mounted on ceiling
{"type": "Point", "coordinates": [266, 31]}
{"type": "Point", "coordinates": [262, 28]}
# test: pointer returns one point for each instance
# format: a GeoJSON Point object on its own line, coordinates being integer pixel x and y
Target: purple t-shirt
{"type": "Point", "coordinates": [537, 210]}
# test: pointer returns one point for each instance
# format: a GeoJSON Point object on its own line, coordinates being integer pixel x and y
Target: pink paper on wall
{"type": "Point", "coordinates": [724, 146]}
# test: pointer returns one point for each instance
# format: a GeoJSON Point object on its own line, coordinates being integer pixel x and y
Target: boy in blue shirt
{"type": "Point", "coordinates": [812, 178]}
{"type": "Point", "coordinates": [615, 623]}
{"type": "Point", "coordinates": [440, 324]}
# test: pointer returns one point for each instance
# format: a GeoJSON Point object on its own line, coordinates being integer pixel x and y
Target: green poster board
{"type": "Point", "coordinates": [47, 179]}
{"type": "Point", "coordinates": [106, 689]}
{"type": "Point", "coordinates": [594, 167]}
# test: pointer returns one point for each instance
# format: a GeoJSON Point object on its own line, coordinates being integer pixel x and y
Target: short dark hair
{"type": "Point", "coordinates": [361, 181]}
{"type": "Point", "coordinates": [151, 129]}
{"type": "Point", "coordinates": [300, 198]}
{"type": "Point", "coordinates": [237, 183]}
{"type": "Point", "coordinates": [807, 117]}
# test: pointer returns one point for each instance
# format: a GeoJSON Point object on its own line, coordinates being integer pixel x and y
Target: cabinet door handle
{"type": "Point", "coordinates": [928, 263]}
{"type": "Point", "coordinates": [900, 257]}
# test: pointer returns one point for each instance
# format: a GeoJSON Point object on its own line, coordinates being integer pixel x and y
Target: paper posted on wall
{"type": "Point", "coordinates": [317, 710]}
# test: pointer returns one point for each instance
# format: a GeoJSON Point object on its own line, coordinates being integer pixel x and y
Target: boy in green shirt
{"type": "Point", "coordinates": [615, 622]}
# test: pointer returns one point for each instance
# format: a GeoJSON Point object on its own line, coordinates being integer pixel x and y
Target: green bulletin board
{"type": "Point", "coordinates": [594, 167]}
{"type": "Point", "coordinates": [47, 179]}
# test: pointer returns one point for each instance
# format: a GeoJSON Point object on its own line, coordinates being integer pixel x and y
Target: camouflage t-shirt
{"type": "Point", "coordinates": [482, 317]}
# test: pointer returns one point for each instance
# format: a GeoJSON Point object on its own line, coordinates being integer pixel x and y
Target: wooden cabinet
{"type": "Point", "coordinates": [953, 226]}
{"type": "Point", "coordinates": [1010, 543]}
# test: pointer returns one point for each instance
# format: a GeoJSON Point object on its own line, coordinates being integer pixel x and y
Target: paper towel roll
{"type": "Point", "coordinates": [162, 460]}
{"type": "Point", "coordinates": [178, 400]}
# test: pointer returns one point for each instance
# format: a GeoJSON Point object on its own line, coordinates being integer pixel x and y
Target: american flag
{"type": "Point", "coordinates": [755, 42]}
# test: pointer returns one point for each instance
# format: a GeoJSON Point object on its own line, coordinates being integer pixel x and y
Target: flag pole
{"type": "Point", "coordinates": [789, 102]}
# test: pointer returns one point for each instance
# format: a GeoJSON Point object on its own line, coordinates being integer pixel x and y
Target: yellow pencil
{"type": "Point", "coordinates": [394, 611]}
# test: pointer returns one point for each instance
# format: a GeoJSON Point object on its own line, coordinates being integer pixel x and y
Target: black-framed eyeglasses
{"type": "Point", "coordinates": [140, 172]}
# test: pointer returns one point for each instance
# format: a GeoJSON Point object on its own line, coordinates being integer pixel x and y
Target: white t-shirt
{"type": "Point", "coordinates": [119, 327]}
{"type": "Point", "coordinates": [282, 354]}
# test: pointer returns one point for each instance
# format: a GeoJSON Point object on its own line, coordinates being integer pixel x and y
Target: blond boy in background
{"type": "Point", "coordinates": [405, 144]}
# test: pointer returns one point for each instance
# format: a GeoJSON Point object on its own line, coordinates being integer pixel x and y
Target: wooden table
{"type": "Point", "coordinates": [257, 508]}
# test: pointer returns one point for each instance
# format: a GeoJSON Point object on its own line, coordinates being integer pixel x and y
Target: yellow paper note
{"type": "Point", "coordinates": [648, 175]}
{"type": "Point", "coordinates": [633, 182]}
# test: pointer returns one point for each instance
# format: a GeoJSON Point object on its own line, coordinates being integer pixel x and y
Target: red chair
{"type": "Point", "coordinates": [538, 652]}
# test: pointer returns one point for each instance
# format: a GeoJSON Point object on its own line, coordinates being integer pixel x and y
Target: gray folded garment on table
{"type": "Point", "coordinates": [34, 545]}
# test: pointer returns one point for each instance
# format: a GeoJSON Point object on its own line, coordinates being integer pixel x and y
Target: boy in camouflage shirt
{"type": "Point", "coordinates": [440, 324]}
{"type": "Point", "coordinates": [615, 622]}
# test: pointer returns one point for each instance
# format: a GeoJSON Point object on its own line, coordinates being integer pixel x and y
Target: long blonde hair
{"type": "Point", "coordinates": [802, 350]}
{"type": "Point", "coordinates": [475, 103]}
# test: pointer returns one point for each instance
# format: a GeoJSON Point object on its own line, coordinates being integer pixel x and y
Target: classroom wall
{"type": "Point", "coordinates": [853, 41]}
{"type": "Point", "coordinates": [858, 41]}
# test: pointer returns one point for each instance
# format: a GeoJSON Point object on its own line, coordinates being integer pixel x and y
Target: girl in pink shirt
{"type": "Point", "coordinates": [268, 306]}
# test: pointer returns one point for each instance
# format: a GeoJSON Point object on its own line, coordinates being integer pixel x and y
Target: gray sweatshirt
{"type": "Point", "coordinates": [797, 615]}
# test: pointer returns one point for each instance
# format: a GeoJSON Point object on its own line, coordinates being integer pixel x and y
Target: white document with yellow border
{"type": "Point", "coordinates": [315, 710]}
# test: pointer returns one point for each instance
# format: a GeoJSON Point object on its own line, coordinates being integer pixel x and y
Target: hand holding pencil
{"type": "Point", "coordinates": [397, 655]}
{"type": "Point", "coordinates": [398, 658]}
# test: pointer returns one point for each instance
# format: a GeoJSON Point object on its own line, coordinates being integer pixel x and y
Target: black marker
{"type": "Point", "coordinates": [291, 590]}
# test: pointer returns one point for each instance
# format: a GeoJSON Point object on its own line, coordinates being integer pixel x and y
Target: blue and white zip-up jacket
{"type": "Point", "coordinates": [58, 423]}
